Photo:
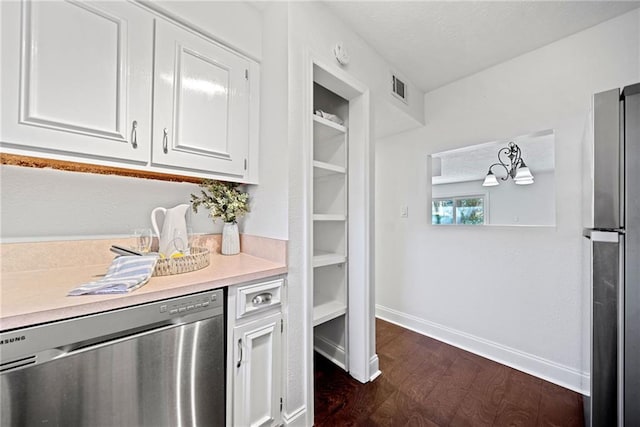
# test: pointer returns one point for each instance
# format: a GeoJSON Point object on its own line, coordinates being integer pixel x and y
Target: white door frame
{"type": "Point", "coordinates": [362, 358]}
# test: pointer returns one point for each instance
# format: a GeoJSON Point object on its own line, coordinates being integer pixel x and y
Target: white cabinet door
{"type": "Point", "coordinates": [201, 104]}
{"type": "Point", "coordinates": [258, 370]}
{"type": "Point", "coordinates": [75, 77]}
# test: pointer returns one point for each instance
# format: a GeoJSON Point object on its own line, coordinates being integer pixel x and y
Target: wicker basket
{"type": "Point", "coordinates": [198, 259]}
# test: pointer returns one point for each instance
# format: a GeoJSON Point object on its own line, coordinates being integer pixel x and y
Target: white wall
{"type": "Point", "coordinates": [512, 293]}
{"type": "Point", "coordinates": [47, 204]}
{"type": "Point", "coordinates": [235, 23]}
{"type": "Point", "coordinates": [313, 29]}
{"type": "Point", "coordinates": [392, 115]}
{"type": "Point", "coordinates": [44, 204]}
{"type": "Point", "coordinates": [270, 199]}
{"type": "Point", "coordinates": [508, 203]}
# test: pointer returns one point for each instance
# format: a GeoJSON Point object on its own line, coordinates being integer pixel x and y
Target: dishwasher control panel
{"type": "Point", "coordinates": [56, 336]}
{"type": "Point", "coordinates": [180, 307]}
{"type": "Point", "coordinates": [186, 305]}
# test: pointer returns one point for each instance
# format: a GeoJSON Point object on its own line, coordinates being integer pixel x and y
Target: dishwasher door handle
{"type": "Point", "coordinates": [67, 351]}
{"type": "Point", "coordinates": [121, 339]}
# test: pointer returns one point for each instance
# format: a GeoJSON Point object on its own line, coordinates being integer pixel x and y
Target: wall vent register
{"type": "Point", "coordinates": [399, 88]}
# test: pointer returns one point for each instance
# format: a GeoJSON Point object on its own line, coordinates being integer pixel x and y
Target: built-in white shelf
{"type": "Point", "coordinates": [321, 169]}
{"type": "Point", "coordinates": [320, 259]}
{"type": "Point", "coordinates": [330, 171]}
{"type": "Point", "coordinates": [329, 217]}
{"type": "Point", "coordinates": [333, 127]}
{"type": "Point", "coordinates": [328, 311]}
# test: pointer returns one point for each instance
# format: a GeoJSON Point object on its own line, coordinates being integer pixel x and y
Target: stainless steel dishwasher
{"type": "Point", "coordinates": [156, 364]}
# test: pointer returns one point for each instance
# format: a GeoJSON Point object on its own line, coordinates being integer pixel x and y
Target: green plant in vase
{"type": "Point", "coordinates": [224, 201]}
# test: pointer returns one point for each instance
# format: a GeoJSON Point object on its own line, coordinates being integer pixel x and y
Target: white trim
{"type": "Point", "coordinates": [374, 367]}
{"type": "Point", "coordinates": [357, 354]}
{"type": "Point", "coordinates": [330, 350]}
{"type": "Point", "coordinates": [375, 375]}
{"type": "Point", "coordinates": [295, 418]}
{"type": "Point", "coordinates": [498, 142]}
{"type": "Point", "coordinates": [306, 269]}
{"type": "Point", "coordinates": [548, 370]}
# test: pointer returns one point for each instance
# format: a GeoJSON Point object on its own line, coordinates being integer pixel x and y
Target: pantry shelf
{"type": "Point", "coordinates": [328, 311]}
{"type": "Point", "coordinates": [321, 169]}
{"type": "Point", "coordinates": [321, 259]}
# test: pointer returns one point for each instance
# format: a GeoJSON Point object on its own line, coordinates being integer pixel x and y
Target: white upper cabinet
{"type": "Point", "coordinates": [201, 104]}
{"type": "Point", "coordinates": [85, 81]}
{"type": "Point", "coordinates": [76, 78]}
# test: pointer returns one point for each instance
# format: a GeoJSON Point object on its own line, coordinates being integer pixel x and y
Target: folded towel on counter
{"type": "Point", "coordinates": [125, 274]}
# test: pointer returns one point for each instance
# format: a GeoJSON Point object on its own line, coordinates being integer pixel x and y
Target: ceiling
{"type": "Point", "coordinates": [434, 43]}
{"type": "Point", "coordinates": [472, 163]}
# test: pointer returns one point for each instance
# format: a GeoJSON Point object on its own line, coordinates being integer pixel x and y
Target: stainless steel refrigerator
{"type": "Point", "coordinates": [612, 224]}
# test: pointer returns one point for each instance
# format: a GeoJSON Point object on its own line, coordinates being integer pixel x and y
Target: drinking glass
{"type": "Point", "coordinates": [180, 241]}
{"type": "Point", "coordinates": [191, 237]}
{"type": "Point", "coordinates": [143, 239]}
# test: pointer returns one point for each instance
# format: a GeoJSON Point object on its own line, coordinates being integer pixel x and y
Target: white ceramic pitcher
{"type": "Point", "coordinates": [174, 229]}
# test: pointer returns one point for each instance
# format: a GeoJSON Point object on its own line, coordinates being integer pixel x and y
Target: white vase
{"type": "Point", "coordinates": [230, 239]}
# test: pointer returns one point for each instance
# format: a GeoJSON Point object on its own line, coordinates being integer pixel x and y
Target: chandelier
{"type": "Point", "coordinates": [510, 158]}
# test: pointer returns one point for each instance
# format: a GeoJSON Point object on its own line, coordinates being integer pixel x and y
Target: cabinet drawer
{"type": "Point", "coordinates": [258, 297]}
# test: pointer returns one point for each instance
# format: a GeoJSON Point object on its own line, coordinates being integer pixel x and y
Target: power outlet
{"type": "Point", "coordinates": [404, 211]}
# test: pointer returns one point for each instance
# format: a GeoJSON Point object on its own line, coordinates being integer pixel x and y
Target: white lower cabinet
{"type": "Point", "coordinates": [257, 375]}
{"type": "Point", "coordinates": [254, 369]}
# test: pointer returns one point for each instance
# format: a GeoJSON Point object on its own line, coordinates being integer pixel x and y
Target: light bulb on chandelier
{"type": "Point", "coordinates": [510, 158]}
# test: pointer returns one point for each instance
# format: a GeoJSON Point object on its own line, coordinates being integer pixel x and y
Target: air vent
{"type": "Point", "coordinates": [399, 89]}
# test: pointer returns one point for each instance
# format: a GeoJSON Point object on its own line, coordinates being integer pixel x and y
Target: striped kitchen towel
{"type": "Point", "coordinates": [125, 274]}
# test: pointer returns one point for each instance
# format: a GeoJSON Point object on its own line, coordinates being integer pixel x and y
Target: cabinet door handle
{"type": "Point", "coordinates": [263, 298]}
{"type": "Point", "coordinates": [165, 140]}
{"type": "Point", "coordinates": [134, 134]}
{"type": "Point", "coordinates": [240, 350]}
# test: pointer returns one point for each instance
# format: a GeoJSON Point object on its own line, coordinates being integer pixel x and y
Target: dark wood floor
{"type": "Point", "coordinates": [425, 382]}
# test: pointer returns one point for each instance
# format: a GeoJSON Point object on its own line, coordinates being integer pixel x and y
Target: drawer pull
{"type": "Point", "coordinates": [263, 298]}
{"type": "Point", "coordinates": [165, 140]}
{"type": "Point", "coordinates": [134, 134]}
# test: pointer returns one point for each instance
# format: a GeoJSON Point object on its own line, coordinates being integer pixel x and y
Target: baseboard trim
{"type": "Point", "coordinates": [295, 418]}
{"type": "Point", "coordinates": [374, 367]}
{"type": "Point", "coordinates": [548, 370]}
{"type": "Point", "coordinates": [330, 350]}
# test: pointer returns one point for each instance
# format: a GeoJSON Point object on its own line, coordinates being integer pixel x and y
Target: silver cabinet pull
{"type": "Point", "coordinates": [240, 350]}
{"type": "Point", "coordinates": [165, 140]}
{"type": "Point", "coordinates": [134, 134]}
{"type": "Point", "coordinates": [263, 298]}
